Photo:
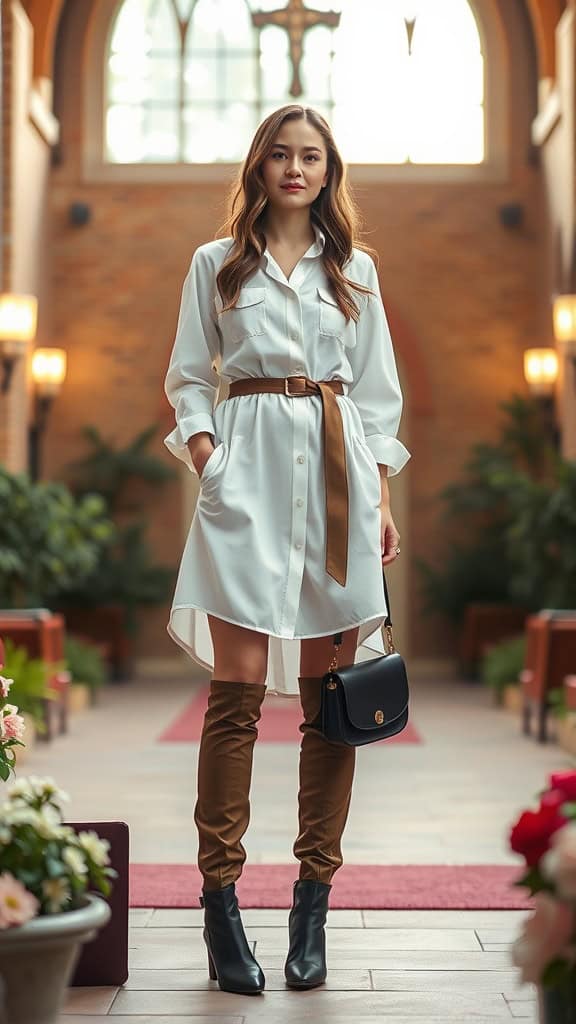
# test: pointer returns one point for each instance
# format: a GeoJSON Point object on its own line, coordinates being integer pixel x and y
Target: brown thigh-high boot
{"type": "Point", "coordinates": [326, 776]}
{"type": "Point", "coordinates": [222, 813]}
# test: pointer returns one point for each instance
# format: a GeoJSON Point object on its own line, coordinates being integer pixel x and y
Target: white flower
{"type": "Point", "coordinates": [56, 892]}
{"type": "Point", "coordinates": [559, 862]}
{"type": "Point", "coordinates": [34, 786]}
{"type": "Point", "coordinates": [21, 815]}
{"type": "Point", "coordinates": [5, 835]}
{"type": "Point", "coordinates": [5, 685]}
{"type": "Point", "coordinates": [48, 822]}
{"type": "Point", "coordinates": [96, 848]}
{"type": "Point", "coordinates": [74, 858]}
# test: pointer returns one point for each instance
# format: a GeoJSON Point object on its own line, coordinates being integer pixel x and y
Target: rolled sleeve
{"type": "Point", "coordinates": [191, 383]}
{"type": "Point", "coordinates": [375, 389]}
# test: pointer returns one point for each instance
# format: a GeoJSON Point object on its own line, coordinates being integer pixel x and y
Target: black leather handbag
{"type": "Point", "coordinates": [367, 701]}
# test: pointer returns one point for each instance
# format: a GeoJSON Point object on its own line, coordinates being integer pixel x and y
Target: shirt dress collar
{"type": "Point", "coordinates": [272, 268]}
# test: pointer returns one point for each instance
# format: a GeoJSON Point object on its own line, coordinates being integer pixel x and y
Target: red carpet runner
{"type": "Point", "coordinates": [279, 723]}
{"type": "Point", "coordinates": [355, 886]}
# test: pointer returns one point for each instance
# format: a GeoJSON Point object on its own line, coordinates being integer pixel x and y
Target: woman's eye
{"type": "Point", "coordinates": [310, 156]}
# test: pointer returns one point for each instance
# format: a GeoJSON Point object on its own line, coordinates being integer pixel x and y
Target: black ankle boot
{"type": "Point", "coordinates": [306, 962]}
{"type": "Point", "coordinates": [230, 960]}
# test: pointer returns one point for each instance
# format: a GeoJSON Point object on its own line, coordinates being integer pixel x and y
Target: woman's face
{"type": "Point", "coordinates": [298, 157]}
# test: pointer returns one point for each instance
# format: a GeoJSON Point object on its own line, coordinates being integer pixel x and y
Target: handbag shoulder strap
{"type": "Point", "coordinates": [387, 620]}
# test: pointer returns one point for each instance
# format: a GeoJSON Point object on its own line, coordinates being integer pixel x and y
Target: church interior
{"type": "Point", "coordinates": [124, 124]}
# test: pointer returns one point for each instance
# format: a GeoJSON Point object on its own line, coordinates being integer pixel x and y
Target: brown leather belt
{"type": "Point", "coordinates": [335, 476]}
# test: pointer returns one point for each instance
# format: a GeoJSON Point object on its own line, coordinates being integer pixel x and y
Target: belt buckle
{"type": "Point", "coordinates": [292, 394]}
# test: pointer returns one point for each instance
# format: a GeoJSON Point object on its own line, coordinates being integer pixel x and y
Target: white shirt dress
{"type": "Point", "coordinates": [255, 551]}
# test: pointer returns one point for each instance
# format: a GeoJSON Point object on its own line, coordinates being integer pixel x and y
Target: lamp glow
{"type": "Point", "coordinates": [541, 370]}
{"type": "Point", "coordinates": [18, 316]}
{"type": "Point", "coordinates": [564, 315]}
{"type": "Point", "coordinates": [49, 370]}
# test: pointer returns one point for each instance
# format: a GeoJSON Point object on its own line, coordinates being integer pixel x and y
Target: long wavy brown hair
{"type": "Point", "coordinates": [333, 211]}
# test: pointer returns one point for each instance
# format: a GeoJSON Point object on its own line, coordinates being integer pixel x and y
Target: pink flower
{"type": "Point", "coordinates": [17, 905]}
{"type": "Point", "coordinates": [545, 935]}
{"type": "Point", "coordinates": [5, 685]}
{"type": "Point", "coordinates": [13, 727]}
{"type": "Point", "coordinates": [559, 863]}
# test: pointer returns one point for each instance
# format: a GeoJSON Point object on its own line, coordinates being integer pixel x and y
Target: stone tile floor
{"type": "Point", "coordinates": [449, 800]}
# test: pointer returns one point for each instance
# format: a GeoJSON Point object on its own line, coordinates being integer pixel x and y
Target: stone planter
{"type": "Point", "coordinates": [557, 1005]}
{"type": "Point", "coordinates": [79, 697]}
{"type": "Point", "coordinates": [566, 732]}
{"type": "Point", "coordinates": [512, 697]}
{"type": "Point", "coordinates": [37, 960]}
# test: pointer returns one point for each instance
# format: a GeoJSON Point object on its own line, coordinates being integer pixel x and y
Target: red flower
{"type": "Point", "coordinates": [530, 836]}
{"type": "Point", "coordinates": [566, 783]}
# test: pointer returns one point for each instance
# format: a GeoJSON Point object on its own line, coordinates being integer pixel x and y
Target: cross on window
{"type": "Point", "coordinates": [295, 19]}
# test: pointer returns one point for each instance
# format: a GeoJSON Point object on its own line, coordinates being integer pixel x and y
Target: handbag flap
{"type": "Point", "coordinates": [375, 691]}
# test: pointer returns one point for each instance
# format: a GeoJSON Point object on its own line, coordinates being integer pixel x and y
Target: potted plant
{"type": "Point", "coordinates": [48, 906]}
{"type": "Point", "coordinates": [49, 541]}
{"type": "Point", "coordinates": [105, 604]}
{"type": "Point", "coordinates": [87, 672]}
{"type": "Point", "coordinates": [545, 949]}
{"type": "Point", "coordinates": [509, 526]}
{"type": "Point", "coordinates": [500, 669]}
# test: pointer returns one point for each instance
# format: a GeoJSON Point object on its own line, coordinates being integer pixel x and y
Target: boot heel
{"type": "Point", "coordinates": [211, 968]}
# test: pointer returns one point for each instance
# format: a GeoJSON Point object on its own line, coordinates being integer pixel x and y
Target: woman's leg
{"type": "Point", "coordinates": [226, 748]}
{"type": "Point", "coordinates": [326, 776]}
{"type": "Point", "coordinates": [326, 769]}
{"type": "Point", "coordinates": [222, 810]}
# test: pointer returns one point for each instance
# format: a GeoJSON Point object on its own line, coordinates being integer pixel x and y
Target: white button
{"type": "Point", "coordinates": [298, 545]}
{"type": "Point", "coordinates": [300, 459]}
{"type": "Point", "coordinates": [294, 335]}
{"type": "Point", "coordinates": [299, 502]}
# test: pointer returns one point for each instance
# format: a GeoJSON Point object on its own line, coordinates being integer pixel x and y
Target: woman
{"type": "Point", "coordinates": [293, 520]}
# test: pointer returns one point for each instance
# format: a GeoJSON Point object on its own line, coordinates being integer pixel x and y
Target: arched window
{"type": "Point", "coordinates": [401, 81]}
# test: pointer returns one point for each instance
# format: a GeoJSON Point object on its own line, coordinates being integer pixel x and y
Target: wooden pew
{"type": "Point", "coordinates": [41, 632]}
{"type": "Point", "coordinates": [550, 656]}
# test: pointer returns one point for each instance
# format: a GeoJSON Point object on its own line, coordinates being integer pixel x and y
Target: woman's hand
{"type": "Point", "coordinates": [389, 536]}
{"type": "Point", "coordinates": [200, 446]}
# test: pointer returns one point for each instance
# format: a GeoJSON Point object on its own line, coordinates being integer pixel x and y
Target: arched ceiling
{"type": "Point", "coordinates": [44, 15]}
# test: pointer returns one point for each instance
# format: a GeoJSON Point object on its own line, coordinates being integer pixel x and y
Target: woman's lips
{"type": "Point", "coordinates": [293, 188]}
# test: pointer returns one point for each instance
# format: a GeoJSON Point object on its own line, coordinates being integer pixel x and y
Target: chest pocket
{"type": "Point", "coordinates": [332, 321]}
{"type": "Point", "coordinates": [247, 318]}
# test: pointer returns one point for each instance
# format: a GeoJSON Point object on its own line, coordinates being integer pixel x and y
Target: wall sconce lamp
{"type": "Point", "coordinates": [48, 373]}
{"type": "Point", "coordinates": [541, 370]}
{"type": "Point", "coordinates": [564, 317]}
{"type": "Point", "coordinates": [541, 373]}
{"type": "Point", "coordinates": [18, 315]}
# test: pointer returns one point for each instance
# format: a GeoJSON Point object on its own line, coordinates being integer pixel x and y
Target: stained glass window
{"type": "Point", "coordinates": [190, 80]}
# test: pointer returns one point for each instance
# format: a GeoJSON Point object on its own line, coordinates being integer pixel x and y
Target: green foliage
{"type": "Point", "coordinates": [48, 540]}
{"type": "Point", "coordinates": [31, 681]}
{"type": "Point", "coordinates": [557, 701]}
{"type": "Point", "coordinates": [110, 471]}
{"type": "Point", "coordinates": [124, 574]}
{"type": "Point", "coordinates": [504, 662]}
{"type": "Point", "coordinates": [84, 662]}
{"type": "Point", "coordinates": [510, 523]}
